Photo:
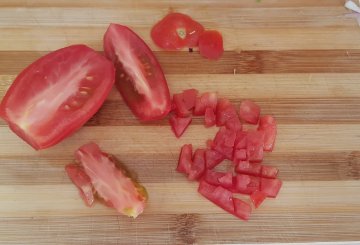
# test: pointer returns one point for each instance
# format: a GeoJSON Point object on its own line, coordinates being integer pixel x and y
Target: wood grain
{"type": "Point", "coordinates": [299, 59]}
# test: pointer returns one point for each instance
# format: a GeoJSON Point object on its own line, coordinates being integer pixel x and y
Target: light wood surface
{"type": "Point", "coordinates": [299, 59]}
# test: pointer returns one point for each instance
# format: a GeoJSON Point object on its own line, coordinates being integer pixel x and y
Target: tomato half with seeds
{"type": "Point", "coordinates": [176, 31]}
{"type": "Point", "coordinates": [139, 77]}
{"type": "Point", "coordinates": [57, 94]}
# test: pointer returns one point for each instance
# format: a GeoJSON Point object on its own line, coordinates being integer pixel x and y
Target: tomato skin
{"type": "Point", "coordinates": [211, 45]}
{"type": "Point", "coordinates": [139, 77]}
{"type": "Point", "coordinates": [176, 31]}
{"type": "Point", "coordinates": [249, 112]}
{"type": "Point", "coordinates": [55, 95]}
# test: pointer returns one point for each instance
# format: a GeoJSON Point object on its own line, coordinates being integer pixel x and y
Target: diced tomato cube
{"type": "Point", "coordinates": [185, 159]}
{"type": "Point", "coordinates": [225, 137]}
{"type": "Point", "coordinates": [247, 184]}
{"type": "Point", "coordinates": [268, 125]}
{"type": "Point", "coordinates": [255, 143]}
{"type": "Point", "coordinates": [257, 198]}
{"type": "Point", "coordinates": [233, 124]}
{"type": "Point", "coordinates": [226, 151]}
{"type": "Point", "coordinates": [225, 111]}
{"type": "Point", "coordinates": [270, 187]}
{"type": "Point", "coordinates": [241, 140]}
{"type": "Point", "coordinates": [179, 124]}
{"type": "Point", "coordinates": [213, 158]}
{"type": "Point", "coordinates": [249, 112]}
{"type": "Point", "coordinates": [244, 167]}
{"type": "Point", "coordinates": [217, 195]}
{"type": "Point", "coordinates": [198, 165]}
{"type": "Point", "coordinates": [226, 181]}
{"type": "Point", "coordinates": [212, 177]}
{"type": "Point", "coordinates": [210, 118]}
{"type": "Point", "coordinates": [239, 155]}
{"type": "Point", "coordinates": [242, 209]}
{"type": "Point", "coordinates": [269, 172]}
{"type": "Point", "coordinates": [189, 97]}
{"type": "Point", "coordinates": [179, 106]}
{"type": "Point", "coordinates": [206, 100]}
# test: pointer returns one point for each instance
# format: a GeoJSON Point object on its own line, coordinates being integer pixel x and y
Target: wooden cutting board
{"type": "Point", "coordinates": [299, 59]}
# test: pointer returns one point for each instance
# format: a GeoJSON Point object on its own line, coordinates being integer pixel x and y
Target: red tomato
{"type": "Point", "coordinates": [206, 100]}
{"type": "Point", "coordinates": [244, 167]}
{"type": "Point", "coordinates": [241, 140]}
{"type": "Point", "coordinates": [270, 187]}
{"type": "Point", "coordinates": [255, 146]}
{"type": "Point", "coordinates": [224, 112]}
{"type": "Point", "coordinates": [239, 155]}
{"type": "Point", "coordinates": [139, 77]}
{"type": "Point", "coordinates": [233, 124]}
{"type": "Point", "coordinates": [226, 181]}
{"type": "Point", "coordinates": [82, 181]}
{"type": "Point", "coordinates": [198, 165]}
{"type": "Point", "coordinates": [54, 96]}
{"type": "Point", "coordinates": [184, 102]}
{"type": "Point", "coordinates": [213, 158]}
{"type": "Point", "coordinates": [257, 198]}
{"type": "Point", "coordinates": [185, 159]}
{"type": "Point", "coordinates": [242, 209]}
{"type": "Point", "coordinates": [189, 98]}
{"type": "Point", "coordinates": [176, 31]}
{"type": "Point", "coordinates": [246, 184]}
{"type": "Point", "coordinates": [249, 112]}
{"type": "Point", "coordinates": [111, 183]}
{"type": "Point", "coordinates": [213, 177]}
{"type": "Point", "coordinates": [224, 142]}
{"type": "Point", "coordinates": [269, 172]}
{"type": "Point", "coordinates": [210, 118]}
{"type": "Point", "coordinates": [211, 45]}
{"type": "Point", "coordinates": [179, 124]}
{"type": "Point", "coordinates": [267, 124]}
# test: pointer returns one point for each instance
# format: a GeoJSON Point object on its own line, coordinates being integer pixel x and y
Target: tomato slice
{"type": "Point", "coordinates": [211, 45]}
{"type": "Point", "coordinates": [267, 124]}
{"type": "Point", "coordinates": [185, 159]}
{"type": "Point", "coordinates": [176, 31]}
{"type": "Point", "coordinates": [257, 198]}
{"type": "Point", "coordinates": [210, 118]}
{"type": "Point", "coordinates": [112, 184]}
{"type": "Point", "coordinates": [249, 112]}
{"type": "Point", "coordinates": [270, 187]}
{"type": "Point", "coordinates": [82, 181]}
{"type": "Point", "coordinates": [198, 165]}
{"type": "Point", "coordinates": [58, 93]}
{"type": "Point", "coordinates": [139, 77]}
{"type": "Point", "coordinates": [213, 158]}
{"type": "Point", "coordinates": [179, 124]}
{"type": "Point", "coordinates": [242, 209]}
{"type": "Point", "coordinates": [206, 100]}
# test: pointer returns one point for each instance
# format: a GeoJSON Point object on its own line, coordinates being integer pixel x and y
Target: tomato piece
{"type": "Point", "coordinates": [242, 209]}
{"type": "Point", "coordinates": [217, 195]}
{"type": "Point", "coordinates": [244, 167]}
{"type": "Point", "coordinates": [206, 100]}
{"type": "Point", "coordinates": [257, 198]}
{"type": "Point", "coordinates": [179, 124]}
{"type": "Point", "coordinates": [239, 155]}
{"type": "Point", "coordinates": [267, 124]}
{"type": "Point", "coordinates": [82, 181]}
{"type": "Point", "coordinates": [224, 142]}
{"type": "Point", "coordinates": [189, 98]}
{"type": "Point", "coordinates": [226, 181]}
{"type": "Point", "coordinates": [185, 159]}
{"type": "Point", "coordinates": [58, 93]}
{"type": "Point", "coordinates": [224, 112]}
{"type": "Point", "coordinates": [241, 140]}
{"type": "Point", "coordinates": [176, 31]}
{"type": "Point", "coordinates": [213, 158]}
{"type": "Point", "coordinates": [246, 184]}
{"type": "Point", "coordinates": [269, 172]}
{"type": "Point", "coordinates": [211, 45]}
{"type": "Point", "coordinates": [270, 187]}
{"type": "Point", "coordinates": [139, 77]}
{"type": "Point", "coordinates": [249, 112]}
{"type": "Point", "coordinates": [213, 177]}
{"type": "Point", "coordinates": [210, 118]}
{"type": "Point", "coordinates": [179, 106]}
{"type": "Point", "coordinates": [233, 124]}
{"type": "Point", "coordinates": [112, 184]}
{"type": "Point", "coordinates": [255, 146]}
{"type": "Point", "coordinates": [198, 165]}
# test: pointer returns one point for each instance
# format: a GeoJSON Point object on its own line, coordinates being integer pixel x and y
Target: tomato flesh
{"type": "Point", "coordinates": [139, 77]}
{"type": "Point", "coordinates": [211, 45]}
{"type": "Point", "coordinates": [58, 93]}
{"type": "Point", "coordinates": [224, 112]}
{"type": "Point", "coordinates": [179, 124]}
{"type": "Point", "coordinates": [111, 184]}
{"type": "Point", "coordinates": [213, 158]}
{"type": "Point", "coordinates": [185, 159]}
{"type": "Point", "coordinates": [268, 125]}
{"type": "Point", "coordinates": [176, 31]}
{"type": "Point", "coordinates": [184, 102]}
{"type": "Point", "coordinates": [206, 100]}
{"type": "Point", "coordinates": [249, 112]}
{"type": "Point", "coordinates": [198, 165]}
{"type": "Point", "coordinates": [247, 184]}
{"type": "Point", "coordinates": [255, 146]}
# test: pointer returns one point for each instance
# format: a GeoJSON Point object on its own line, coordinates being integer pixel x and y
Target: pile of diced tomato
{"type": "Point", "coordinates": [244, 148]}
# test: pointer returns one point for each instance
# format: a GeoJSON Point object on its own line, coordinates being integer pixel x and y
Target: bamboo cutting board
{"type": "Point", "coordinates": [299, 59]}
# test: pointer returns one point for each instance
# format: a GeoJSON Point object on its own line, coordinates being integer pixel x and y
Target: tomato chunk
{"type": "Point", "coordinates": [247, 184]}
{"type": "Point", "coordinates": [269, 172]}
{"type": "Point", "coordinates": [270, 187]}
{"type": "Point", "coordinates": [249, 112]}
{"type": "Point", "coordinates": [82, 181]}
{"type": "Point", "coordinates": [267, 124]}
{"type": "Point", "coordinates": [198, 165]}
{"type": "Point", "coordinates": [242, 209]}
{"type": "Point", "coordinates": [189, 98]}
{"type": "Point", "coordinates": [139, 77]}
{"type": "Point", "coordinates": [224, 112]}
{"type": "Point", "coordinates": [184, 102]}
{"type": "Point", "coordinates": [179, 124]}
{"type": "Point", "coordinates": [226, 181]}
{"type": "Point", "coordinates": [244, 167]}
{"type": "Point", "coordinates": [210, 118]}
{"type": "Point", "coordinates": [241, 140]}
{"type": "Point", "coordinates": [185, 159]}
{"type": "Point", "coordinates": [58, 93]}
{"type": "Point", "coordinates": [233, 124]}
{"type": "Point", "coordinates": [213, 177]}
{"type": "Point", "coordinates": [176, 31]}
{"type": "Point", "coordinates": [239, 155]}
{"type": "Point", "coordinates": [257, 198]}
{"type": "Point", "coordinates": [112, 184]}
{"type": "Point", "coordinates": [224, 142]}
{"type": "Point", "coordinates": [255, 146]}
{"type": "Point", "coordinates": [211, 45]}
{"type": "Point", "coordinates": [206, 100]}
{"type": "Point", "coordinates": [213, 158]}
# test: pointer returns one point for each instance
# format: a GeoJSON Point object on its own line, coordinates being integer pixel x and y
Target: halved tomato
{"type": "Point", "coordinates": [176, 31]}
{"type": "Point", "coordinates": [112, 184]}
{"type": "Point", "coordinates": [54, 96]}
{"type": "Point", "coordinates": [139, 77]}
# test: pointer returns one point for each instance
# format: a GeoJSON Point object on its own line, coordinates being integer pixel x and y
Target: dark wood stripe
{"type": "Point", "coordinates": [299, 61]}
{"type": "Point", "coordinates": [189, 228]}
{"type": "Point", "coordinates": [327, 166]}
